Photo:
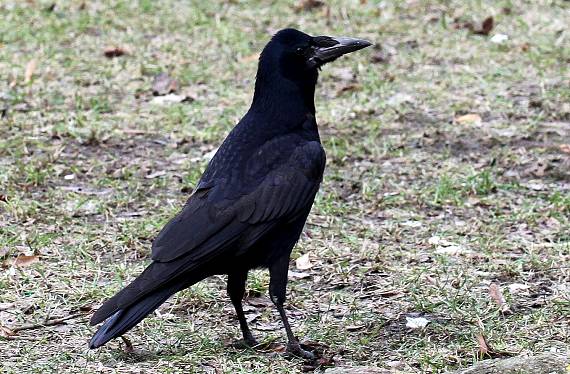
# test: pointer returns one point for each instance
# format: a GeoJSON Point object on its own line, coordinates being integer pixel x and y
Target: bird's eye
{"type": "Point", "coordinates": [300, 50]}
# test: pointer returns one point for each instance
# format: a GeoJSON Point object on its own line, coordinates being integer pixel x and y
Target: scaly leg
{"type": "Point", "coordinates": [236, 290]}
{"type": "Point", "coordinates": [277, 287]}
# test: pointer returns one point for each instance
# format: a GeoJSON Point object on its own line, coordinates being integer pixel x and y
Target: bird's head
{"type": "Point", "coordinates": [299, 55]}
{"type": "Point", "coordinates": [289, 66]}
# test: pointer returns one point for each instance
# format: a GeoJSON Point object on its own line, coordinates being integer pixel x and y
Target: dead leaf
{"type": "Point", "coordinates": [30, 69]}
{"type": "Point", "coordinates": [250, 58]}
{"type": "Point", "coordinates": [111, 52]}
{"type": "Point", "coordinates": [497, 296]}
{"type": "Point", "coordinates": [565, 148]}
{"type": "Point", "coordinates": [348, 88]}
{"type": "Point", "coordinates": [468, 119]}
{"type": "Point", "coordinates": [252, 317]}
{"type": "Point", "coordinates": [483, 345]}
{"type": "Point", "coordinates": [163, 84]}
{"type": "Point", "coordinates": [485, 27]}
{"type": "Point", "coordinates": [22, 261]}
{"type": "Point", "coordinates": [416, 322]}
{"type": "Point", "coordinates": [538, 169]}
{"type": "Point", "coordinates": [499, 38]}
{"type": "Point", "coordinates": [308, 5]}
{"type": "Point", "coordinates": [156, 174]}
{"type": "Point", "coordinates": [275, 347]}
{"type": "Point", "coordinates": [354, 327]}
{"type": "Point", "coordinates": [171, 99]}
{"type": "Point", "coordinates": [270, 326]}
{"type": "Point", "coordinates": [3, 198]}
{"type": "Point", "coordinates": [6, 332]}
{"type": "Point", "coordinates": [298, 274]}
{"type": "Point", "coordinates": [452, 250]}
{"type": "Point", "coordinates": [534, 185]}
{"type": "Point", "coordinates": [303, 262]}
{"type": "Point", "coordinates": [259, 302]}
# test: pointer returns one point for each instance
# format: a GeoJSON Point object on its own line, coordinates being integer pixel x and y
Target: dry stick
{"type": "Point", "coordinates": [50, 322]}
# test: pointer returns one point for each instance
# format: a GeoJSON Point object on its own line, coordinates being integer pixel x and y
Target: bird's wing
{"type": "Point", "coordinates": [219, 214]}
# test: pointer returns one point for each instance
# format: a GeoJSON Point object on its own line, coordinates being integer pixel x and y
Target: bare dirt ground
{"type": "Point", "coordinates": [446, 199]}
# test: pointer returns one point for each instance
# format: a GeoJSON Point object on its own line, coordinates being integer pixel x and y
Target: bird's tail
{"type": "Point", "coordinates": [124, 319]}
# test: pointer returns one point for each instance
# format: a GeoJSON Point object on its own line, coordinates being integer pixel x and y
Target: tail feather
{"type": "Point", "coordinates": [125, 319]}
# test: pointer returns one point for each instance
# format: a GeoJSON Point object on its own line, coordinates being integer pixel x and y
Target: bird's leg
{"type": "Point", "coordinates": [277, 287]}
{"type": "Point", "coordinates": [236, 290]}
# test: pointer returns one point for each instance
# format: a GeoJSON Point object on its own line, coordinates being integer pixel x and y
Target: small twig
{"type": "Point", "coordinates": [50, 322]}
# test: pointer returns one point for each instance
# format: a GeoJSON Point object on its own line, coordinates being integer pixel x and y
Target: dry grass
{"type": "Point", "coordinates": [420, 212]}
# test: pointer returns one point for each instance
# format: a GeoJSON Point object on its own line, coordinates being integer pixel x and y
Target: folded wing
{"type": "Point", "coordinates": [217, 216]}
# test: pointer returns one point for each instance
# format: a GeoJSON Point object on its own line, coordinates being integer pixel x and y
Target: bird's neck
{"type": "Point", "coordinates": [279, 97]}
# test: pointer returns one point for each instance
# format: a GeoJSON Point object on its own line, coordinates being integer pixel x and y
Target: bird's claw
{"type": "Point", "coordinates": [296, 350]}
{"type": "Point", "coordinates": [249, 342]}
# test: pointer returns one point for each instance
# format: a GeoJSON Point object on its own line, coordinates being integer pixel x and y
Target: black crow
{"type": "Point", "coordinates": [250, 205]}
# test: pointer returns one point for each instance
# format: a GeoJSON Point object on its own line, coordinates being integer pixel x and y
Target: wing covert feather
{"type": "Point", "coordinates": [282, 193]}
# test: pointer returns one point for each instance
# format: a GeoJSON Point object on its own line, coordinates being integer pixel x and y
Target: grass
{"type": "Point", "coordinates": [90, 170]}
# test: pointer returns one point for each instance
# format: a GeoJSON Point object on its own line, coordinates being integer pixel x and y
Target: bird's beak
{"type": "Point", "coordinates": [344, 45]}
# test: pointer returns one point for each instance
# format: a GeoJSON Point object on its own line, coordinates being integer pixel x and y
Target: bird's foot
{"type": "Point", "coordinates": [295, 349]}
{"type": "Point", "coordinates": [248, 342]}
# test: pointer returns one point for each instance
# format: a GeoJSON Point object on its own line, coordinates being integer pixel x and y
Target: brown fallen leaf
{"type": "Point", "coordinates": [468, 119]}
{"type": "Point", "coordinates": [111, 52]}
{"type": "Point", "coordinates": [271, 347]}
{"type": "Point", "coordinates": [23, 260]}
{"type": "Point", "coordinates": [250, 58]}
{"type": "Point", "coordinates": [6, 332]}
{"type": "Point", "coordinates": [483, 345]}
{"type": "Point", "coordinates": [3, 198]}
{"type": "Point", "coordinates": [30, 69]}
{"type": "Point", "coordinates": [348, 88]}
{"type": "Point", "coordinates": [497, 296]}
{"type": "Point", "coordinates": [485, 28]}
{"type": "Point", "coordinates": [308, 5]}
{"type": "Point", "coordinates": [163, 84]}
{"type": "Point", "coordinates": [303, 262]}
{"type": "Point", "coordinates": [564, 148]}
